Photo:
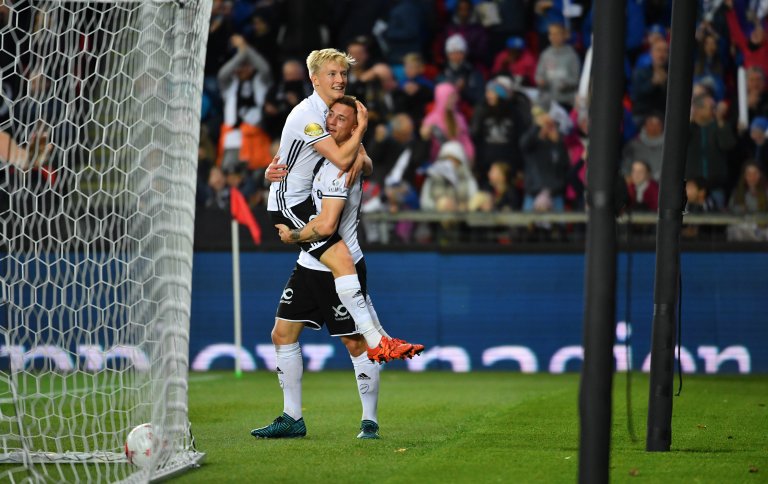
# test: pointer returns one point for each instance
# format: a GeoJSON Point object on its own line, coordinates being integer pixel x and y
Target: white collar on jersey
{"type": "Point", "coordinates": [318, 103]}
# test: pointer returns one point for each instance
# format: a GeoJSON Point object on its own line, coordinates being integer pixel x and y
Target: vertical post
{"type": "Point", "coordinates": [659, 431]}
{"type": "Point", "coordinates": [600, 274]}
{"type": "Point", "coordinates": [236, 295]}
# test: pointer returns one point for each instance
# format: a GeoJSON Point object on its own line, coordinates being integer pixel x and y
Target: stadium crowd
{"type": "Point", "coordinates": [478, 106]}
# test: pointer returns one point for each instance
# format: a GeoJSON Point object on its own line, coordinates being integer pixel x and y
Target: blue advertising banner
{"type": "Point", "coordinates": [519, 312]}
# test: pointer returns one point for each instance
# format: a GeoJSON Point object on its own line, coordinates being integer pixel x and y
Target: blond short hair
{"type": "Point", "coordinates": [317, 58]}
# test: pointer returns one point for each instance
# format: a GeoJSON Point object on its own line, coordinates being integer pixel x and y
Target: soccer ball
{"type": "Point", "coordinates": [141, 444]}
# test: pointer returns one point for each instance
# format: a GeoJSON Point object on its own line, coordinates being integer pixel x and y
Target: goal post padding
{"type": "Point", "coordinates": [101, 100]}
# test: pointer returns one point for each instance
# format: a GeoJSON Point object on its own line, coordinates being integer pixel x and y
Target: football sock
{"type": "Point", "coordinates": [290, 368]}
{"type": "Point", "coordinates": [351, 296]}
{"type": "Point", "coordinates": [375, 317]}
{"type": "Point", "coordinates": [367, 375]}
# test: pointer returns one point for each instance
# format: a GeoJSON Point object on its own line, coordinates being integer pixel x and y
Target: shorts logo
{"type": "Point", "coordinates": [340, 312]}
{"type": "Point", "coordinates": [287, 296]}
{"type": "Point", "coordinates": [313, 129]}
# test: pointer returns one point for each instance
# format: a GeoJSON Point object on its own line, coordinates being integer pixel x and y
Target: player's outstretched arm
{"type": "Point", "coordinates": [319, 228]}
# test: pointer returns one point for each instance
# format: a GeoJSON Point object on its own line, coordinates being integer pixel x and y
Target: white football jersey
{"type": "Point", "coordinates": [304, 127]}
{"type": "Point", "coordinates": [328, 184]}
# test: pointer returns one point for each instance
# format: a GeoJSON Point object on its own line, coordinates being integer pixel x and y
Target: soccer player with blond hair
{"type": "Point", "coordinates": [309, 297]}
{"type": "Point", "coordinates": [304, 143]}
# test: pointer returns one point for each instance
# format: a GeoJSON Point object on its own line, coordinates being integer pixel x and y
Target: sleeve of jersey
{"type": "Point", "coordinates": [336, 188]}
{"type": "Point", "coordinates": [312, 129]}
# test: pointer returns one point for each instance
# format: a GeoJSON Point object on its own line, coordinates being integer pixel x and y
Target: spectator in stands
{"type": "Point", "coordinates": [216, 192]}
{"type": "Point", "coordinates": [511, 21]}
{"type": "Point", "coordinates": [754, 48]}
{"type": "Point", "coordinates": [283, 96]}
{"type": "Point", "coordinates": [243, 82]}
{"type": "Point", "coordinates": [499, 195]}
{"type": "Point", "coordinates": [445, 123]}
{"type": "Point", "coordinates": [397, 152]}
{"type": "Point", "coordinates": [220, 30]}
{"type": "Point", "coordinates": [642, 188]}
{"type": "Point", "coordinates": [261, 35]}
{"type": "Point", "coordinates": [416, 91]}
{"type": "Point", "coordinates": [351, 19]}
{"type": "Point", "coordinates": [710, 139]}
{"type": "Point", "coordinates": [239, 177]}
{"type": "Point", "coordinates": [697, 193]}
{"type": "Point", "coordinates": [449, 185]}
{"type": "Point", "coordinates": [654, 33]}
{"type": "Point", "coordinates": [649, 84]}
{"type": "Point", "coordinates": [405, 30]}
{"type": "Point", "coordinates": [757, 97]}
{"type": "Point", "coordinates": [370, 82]}
{"type": "Point", "coordinates": [546, 165]}
{"type": "Point", "coordinates": [558, 70]}
{"type": "Point", "coordinates": [698, 202]}
{"type": "Point", "coordinates": [465, 23]}
{"type": "Point", "coordinates": [459, 72]}
{"type": "Point", "coordinates": [303, 27]}
{"type": "Point", "coordinates": [756, 147]}
{"type": "Point", "coordinates": [547, 12]}
{"type": "Point", "coordinates": [646, 146]}
{"type": "Point", "coordinates": [750, 196]}
{"type": "Point", "coordinates": [709, 66]}
{"type": "Point", "coordinates": [393, 188]}
{"type": "Point", "coordinates": [516, 61]}
{"type": "Point", "coordinates": [501, 184]}
{"type": "Point", "coordinates": [496, 129]}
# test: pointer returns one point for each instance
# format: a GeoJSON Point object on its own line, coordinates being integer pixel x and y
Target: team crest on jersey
{"type": "Point", "coordinates": [313, 129]}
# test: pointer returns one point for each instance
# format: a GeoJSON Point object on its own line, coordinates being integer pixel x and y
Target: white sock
{"type": "Point", "coordinates": [351, 296]}
{"type": "Point", "coordinates": [290, 369]}
{"type": "Point", "coordinates": [367, 375]}
{"type": "Point", "coordinates": [375, 317]}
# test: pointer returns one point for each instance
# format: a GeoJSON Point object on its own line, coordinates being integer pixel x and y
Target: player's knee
{"type": "Point", "coordinates": [284, 334]}
{"type": "Point", "coordinates": [338, 259]}
{"type": "Point", "coordinates": [356, 344]}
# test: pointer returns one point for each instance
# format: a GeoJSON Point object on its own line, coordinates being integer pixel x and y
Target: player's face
{"type": "Point", "coordinates": [330, 81]}
{"type": "Point", "coordinates": [341, 121]}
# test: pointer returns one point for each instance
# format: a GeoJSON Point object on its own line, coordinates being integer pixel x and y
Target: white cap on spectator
{"type": "Point", "coordinates": [452, 149]}
{"type": "Point", "coordinates": [455, 43]}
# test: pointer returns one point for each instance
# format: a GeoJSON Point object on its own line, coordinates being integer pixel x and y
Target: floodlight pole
{"type": "Point", "coordinates": [665, 294]}
{"type": "Point", "coordinates": [600, 271]}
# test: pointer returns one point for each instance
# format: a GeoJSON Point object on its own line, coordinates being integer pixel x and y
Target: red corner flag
{"type": "Point", "coordinates": [242, 213]}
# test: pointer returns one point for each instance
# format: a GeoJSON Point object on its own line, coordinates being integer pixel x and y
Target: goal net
{"type": "Point", "coordinates": [99, 128]}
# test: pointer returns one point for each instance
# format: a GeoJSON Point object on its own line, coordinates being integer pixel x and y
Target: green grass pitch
{"type": "Point", "coordinates": [475, 428]}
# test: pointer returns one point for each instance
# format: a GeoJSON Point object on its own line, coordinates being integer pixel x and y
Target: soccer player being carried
{"type": "Point", "coordinates": [291, 205]}
{"type": "Point", "coordinates": [309, 297]}
{"type": "Point", "coordinates": [304, 142]}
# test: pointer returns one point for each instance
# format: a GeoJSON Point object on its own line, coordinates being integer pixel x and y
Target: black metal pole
{"type": "Point", "coordinates": [665, 294]}
{"type": "Point", "coordinates": [600, 272]}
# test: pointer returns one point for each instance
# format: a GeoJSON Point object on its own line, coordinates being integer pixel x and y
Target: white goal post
{"type": "Point", "coordinates": [99, 128]}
